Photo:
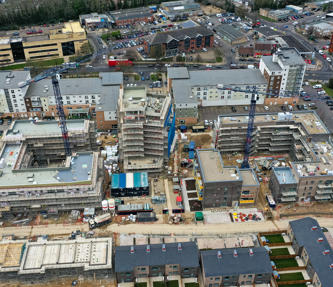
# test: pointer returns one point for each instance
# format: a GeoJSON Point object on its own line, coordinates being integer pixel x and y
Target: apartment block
{"type": "Point", "coordinates": [12, 97]}
{"type": "Point", "coordinates": [39, 43]}
{"type": "Point", "coordinates": [218, 185]}
{"type": "Point", "coordinates": [284, 72]}
{"type": "Point", "coordinates": [35, 173]}
{"type": "Point", "coordinates": [236, 267]}
{"type": "Point", "coordinates": [191, 89]}
{"type": "Point", "coordinates": [81, 96]}
{"type": "Point", "coordinates": [171, 43]}
{"type": "Point", "coordinates": [283, 185]}
{"type": "Point", "coordinates": [146, 128]}
{"type": "Point", "coordinates": [156, 260]}
{"type": "Point", "coordinates": [44, 260]}
{"type": "Point", "coordinates": [311, 245]}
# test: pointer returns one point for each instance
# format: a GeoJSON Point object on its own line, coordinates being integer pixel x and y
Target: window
{"type": "Point", "coordinates": [207, 41]}
{"type": "Point", "coordinates": [198, 41]}
{"type": "Point", "coordinates": [187, 43]}
{"type": "Point", "coordinates": [143, 269]}
{"type": "Point", "coordinates": [217, 278]}
{"type": "Point", "coordinates": [154, 268]}
{"type": "Point", "coordinates": [174, 266]}
{"type": "Point", "coordinates": [246, 96]}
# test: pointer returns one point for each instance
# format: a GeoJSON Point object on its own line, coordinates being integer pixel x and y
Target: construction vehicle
{"type": "Point", "coordinates": [100, 220]}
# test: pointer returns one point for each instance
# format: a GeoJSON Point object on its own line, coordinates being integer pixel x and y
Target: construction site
{"type": "Point", "coordinates": [37, 175]}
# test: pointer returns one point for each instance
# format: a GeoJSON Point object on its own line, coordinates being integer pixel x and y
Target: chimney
{"type": "Point", "coordinates": [219, 254]}
{"type": "Point", "coordinates": [315, 227]}
{"type": "Point", "coordinates": [235, 253]}
{"type": "Point", "coordinates": [163, 248]}
{"type": "Point", "coordinates": [326, 252]}
{"type": "Point", "coordinates": [132, 249]}
{"type": "Point", "coordinates": [251, 252]}
{"type": "Point", "coordinates": [320, 239]}
{"type": "Point", "coordinates": [148, 248]}
{"type": "Point", "coordinates": [179, 247]}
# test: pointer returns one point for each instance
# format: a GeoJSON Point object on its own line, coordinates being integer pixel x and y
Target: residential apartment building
{"type": "Point", "coordinates": [40, 43]}
{"type": "Point", "coordinates": [132, 16]}
{"type": "Point", "coordinates": [146, 128]}
{"type": "Point", "coordinates": [236, 267]}
{"type": "Point", "coordinates": [311, 245]}
{"type": "Point", "coordinates": [218, 185]}
{"type": "Point", "coordinates": [284, 72]}
{"type": "Point", "coordinates": [171, 43]}
{"type": "Point", "coordinates": [12, 97]}
{"type": "Point", "coordinates": [191, 89]}
{"type": "Point", "coordinates": [283, 185]}
{"type": "Point", "coordinates": [156, 260]}
{"type": "Point", "coordinates": [81, 96]}
{"type": "Point", "coordinates": [37, 175]}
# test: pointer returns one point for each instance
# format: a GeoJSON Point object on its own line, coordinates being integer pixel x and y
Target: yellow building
{"type": "Point", "coordinates": [42, 42]}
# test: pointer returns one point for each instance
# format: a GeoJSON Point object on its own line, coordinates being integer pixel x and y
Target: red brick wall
{"type": "Point", "coordinates": [134, 20]}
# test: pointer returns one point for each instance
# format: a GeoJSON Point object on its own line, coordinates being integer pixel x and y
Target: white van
{"type": "Point", "coordinates": [317, 86]}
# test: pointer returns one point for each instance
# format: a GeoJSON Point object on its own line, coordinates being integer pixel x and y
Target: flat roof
{"type": "Point", "coordinates": [10, 254]}
{"type": "Point", "coordinates": [27, 128]}
{"type": "Point", "coordinates": [178, 73]}
{"type": "Point", "coordinates": [309, 119]}
{"type": "Point", "coordinates": [284, 175]}
{"type": "Point", "coordinates": [11, 79]}
{"type": "Point", "coordinates": [249, 177]}
{"type": "Point", "coordinates": [91, 254]}
{"type": "Point", "coordinates": [212, 169]}
{"type": "Point", "coordinates": [78, 169]}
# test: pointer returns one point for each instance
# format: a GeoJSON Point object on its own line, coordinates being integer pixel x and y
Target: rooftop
{"type": "Point", "coordinates": [212, 169]}
{"type": "Point", "coordinates": [268, 32]}
{"type": "Point", "coordinates": [272, 66]}
{"type": "Point", "coordinates": [292, 42]}
{"type": "Point", "coordinates": [249, 177]}
{"type": "Point", "coordinates": [236, 261]}
{"type": "Point", "coordinates": [308, 236]}
{"type": "Point", "coordinates": [11, 79]}
{"type": "Point", "coordinates": [91, 254]}
{"type": "Point", "coordinates": [229, 31]}
{"type": "Point", "coordinates": [10, 254]}
{"type": "Point", "coordinates": [290, 56]}
{"type": "Point", "coordinates": [178, 73]}
{"type": "Point", "coordinates": [186, 254]}
{"type": "Point", "coordinates": [130, 13]}
{"type": "Point", "coordinates": [308, 119]}
{"type": "Point", "coordinates": [284, 175]}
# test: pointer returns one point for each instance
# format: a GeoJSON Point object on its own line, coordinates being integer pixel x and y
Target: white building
{"type": "Point", "coordinates": [284, 72]}
{"type": "Point", "coordinates": [11, 95]}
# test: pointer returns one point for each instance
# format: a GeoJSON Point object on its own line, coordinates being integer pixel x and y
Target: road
{"type": "Point", "coordinates": [158, 229]}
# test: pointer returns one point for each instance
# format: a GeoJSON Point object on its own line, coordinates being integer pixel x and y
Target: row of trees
{"type": "Point", "coordinates": [23, 13]}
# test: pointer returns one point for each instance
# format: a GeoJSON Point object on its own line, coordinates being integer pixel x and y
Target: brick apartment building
{"type": "Point", "coordinates": [173, 42]}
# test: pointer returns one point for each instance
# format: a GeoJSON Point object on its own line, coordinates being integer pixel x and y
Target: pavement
{"type": "Point", "coordinates": [158, 229]}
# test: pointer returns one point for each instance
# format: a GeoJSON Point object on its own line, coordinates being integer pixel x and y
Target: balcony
{"type": "Point", "coordinates": [323, 197]}
{"type": "Point", "coordinates": [289, 193]}
{"type": "Point", "coordinates": [324, 191]}
{"type": "Point", "coordinates": [288, 199]}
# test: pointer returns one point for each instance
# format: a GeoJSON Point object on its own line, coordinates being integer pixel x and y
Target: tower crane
{"type": "Point", "coordinates": [55, 73]}
{"type": "Point", "coordinates": [252, 111]}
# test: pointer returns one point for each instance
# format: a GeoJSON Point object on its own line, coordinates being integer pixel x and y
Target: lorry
{"type": "Point", "coordinates": [100, 220]}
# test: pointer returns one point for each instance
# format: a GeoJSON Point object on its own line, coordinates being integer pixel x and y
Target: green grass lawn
{"type": "Point", "coordinates": [172, 283]}
{"type": "Point", "coordinates": [291, 276]}
{"type": "Point", "coordinates": [192, 284]}
{"type": "Point", "coordinates": [293, 285]}
{"type": "Point", "coordinates": [267, 19]}
{"type": "Point", "coordinates": [140, 284]}
{"type": "Point", "coordinates": [36, 64]}
{"type": "Point", "coordinates": [283, 263]}
{"type": "Point", "coordinates": [328, 91]}
{"type": "Point", "coordinates": [279, 251]}
{"type": "Point", "coordinates": [275, 238]}
{"type": "Point", "coordinates": [158, 284]}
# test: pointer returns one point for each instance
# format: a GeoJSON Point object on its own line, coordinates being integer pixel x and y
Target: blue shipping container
{"type": "Point", "coordinates": [115, 181]}
{"type": "Point", "coordinates": [122, 180]}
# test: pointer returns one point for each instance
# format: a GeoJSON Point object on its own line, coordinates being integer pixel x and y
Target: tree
{"type": "Point", "coordinates": [156, 52]}
{"type": "Point", "coordinates": [330, 83]}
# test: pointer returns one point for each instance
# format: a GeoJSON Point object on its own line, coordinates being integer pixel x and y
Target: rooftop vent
{"type": "Point", "coordinates": [251, 252]}
{"type": "Point", "coordinates": [320, 239]}
{"type": "Point", "coordinates": [235, 253]}
{"type": "Point", "coordinates": [179, 247]}
{"type": "Point", "coordinates": [132, 249]}
{"type": "Point", "coordinates": [219, 254]}
{"type": "Point", "coordinates": [315, 227]}
{"type": "Point", "coordinates": [163, 248]}
{"type": "Point", "coordinates": [148, 248]}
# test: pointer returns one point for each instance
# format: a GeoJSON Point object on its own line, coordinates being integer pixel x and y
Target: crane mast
{"type": "Point", "coordinates": [61, 113]}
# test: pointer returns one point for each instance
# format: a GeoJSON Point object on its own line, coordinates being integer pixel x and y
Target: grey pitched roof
{"type": "Point", "coordinates": [15, 77]}
{"type": "Point", "coordinates": [178, 73]}
{"type": "Point", "coordinates": [292, 42]}
{"type": "Point", "coordinates": [108, 79]}
{"type": "Point", "coordinates": [305, 236]}
{"type": "Point", "coordinates": [187, 257]}
{"type": "Point", "coordinates": [258, 263]}
{"type": "Point", "coordinates": [227, 30]}
{"type": "Point", "coordinates": [272, 66]}
{"type": "Point", "coordinates": [164, 37]}
{"type": "Point", "coordinates": [268, 32]}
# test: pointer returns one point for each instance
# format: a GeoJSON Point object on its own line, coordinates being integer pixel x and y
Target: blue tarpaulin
{"type": "Point", "coordinates": [191, 146]}
{"type": "Point", "coordinates": [115, 181]}
{"type": "Point", "coordinates": [122, 180]}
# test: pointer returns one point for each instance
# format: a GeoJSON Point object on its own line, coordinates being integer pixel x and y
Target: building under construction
{"type": "Point", "coordinates": [23, 260]}
{"type": "Point", "coordinates": [36, 174]}
{"type": "Point", "coordinates": [146, 129]}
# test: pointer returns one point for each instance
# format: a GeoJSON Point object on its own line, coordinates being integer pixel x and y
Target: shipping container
{"type": "Point", "coordinates": [146, 216]}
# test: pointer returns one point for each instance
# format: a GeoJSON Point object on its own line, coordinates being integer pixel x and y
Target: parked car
{"type": "Point", "coordinates": [321, 92]}
{"type": "Point", "coordinates": [307, 99]}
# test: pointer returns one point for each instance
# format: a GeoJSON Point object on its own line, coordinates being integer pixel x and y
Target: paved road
{"type": "Point", "coordinates": [165, 229]}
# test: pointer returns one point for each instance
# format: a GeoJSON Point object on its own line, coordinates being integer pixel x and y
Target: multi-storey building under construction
{"type": "Point", "coordinates": [35, 173]}
{"type": "Point", "coordinates": [146, 129]}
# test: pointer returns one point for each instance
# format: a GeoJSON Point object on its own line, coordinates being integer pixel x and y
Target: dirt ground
{"type": "Point", "coordinates": [210, 10]}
